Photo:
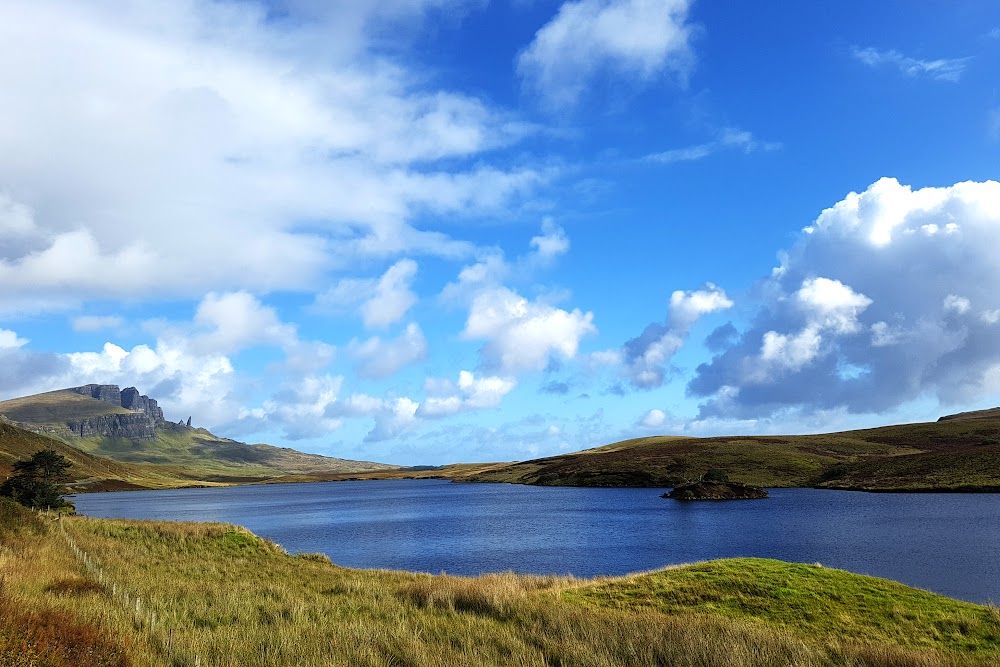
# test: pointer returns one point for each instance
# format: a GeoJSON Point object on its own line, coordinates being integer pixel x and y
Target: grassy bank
{"type": "Point", "coordinates": [118, 593]}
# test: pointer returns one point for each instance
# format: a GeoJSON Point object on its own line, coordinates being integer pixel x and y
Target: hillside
{"type": "Point", "coordinates": [960, 454]}
{"type": "Point", "coordinates": [113, 446]}
{"type": "Point", "coordinates": [86, 592]}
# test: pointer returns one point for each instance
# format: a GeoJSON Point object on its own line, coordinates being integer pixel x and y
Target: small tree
{"type": "Point", "coordinates": [38, 482]}
{"type": "Point", "coordinates": [716, 475]}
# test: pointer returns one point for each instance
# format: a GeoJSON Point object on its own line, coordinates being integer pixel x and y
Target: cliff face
{"type": "Point", "coordinates": [108, 393]}
{"type": "Point", "coordinates": [131, 400]}
{"type": "Point", "coordinates": [139, 426]}
{"type": "Point", "coordinates": [128, 398]}
{"type": "Point", "coordinates": [133, 427]}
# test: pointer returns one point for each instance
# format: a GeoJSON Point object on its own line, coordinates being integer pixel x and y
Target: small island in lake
{"type": "Point", "coordinates": [715, 485]}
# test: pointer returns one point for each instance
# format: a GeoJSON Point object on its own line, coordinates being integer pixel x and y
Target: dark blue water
{"type": "Point", "coordinates": [947, 543]}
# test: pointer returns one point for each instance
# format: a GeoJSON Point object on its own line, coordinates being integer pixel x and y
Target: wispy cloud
{"type": "Point", "coordinates": [993, 124]}
{"type": "Point", "coordinates": [728, 139]}
{"type": "Point", "coordinates": [635, 38]}
{"type": "Point", "coordinates": [941, 69]}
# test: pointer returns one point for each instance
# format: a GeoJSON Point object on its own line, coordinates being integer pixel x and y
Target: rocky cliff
{"type": "Point", "coordinates": [139, 426]}
{"type": "Point", "coordinates": [128, 398]}
{"type": "Point", "coordinates": [133, 427]}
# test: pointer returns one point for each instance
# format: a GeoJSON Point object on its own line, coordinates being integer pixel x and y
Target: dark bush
{"type": "Point", "coordinates": [716, 475]}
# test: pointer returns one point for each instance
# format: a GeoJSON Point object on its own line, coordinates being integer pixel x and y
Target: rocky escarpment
{"type": "Point", "coordinates": [132, 427]}
{"type": "Point", "coordinates": [128, 398]}
{"type": "Point", "coordinates": [138, 426]}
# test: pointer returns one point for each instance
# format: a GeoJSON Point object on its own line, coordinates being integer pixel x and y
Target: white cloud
{"type": "Point", "coordinates": [301, 409]}
{"type": "Point", "coordinates": [402, 416]}
{"type": "Point", "coordinates": [201, 123]}
{"type": "Point", "coordinates": [884, 334]}
{"type": "Point", "coordinates": [942, 69]}
{"type": "Point", "coordinates": [493, 269]}
{"type": "Point", "coordinates": [9, 340]}
{"type": "Point", "coordinates": [646, 356]}
{"type": "Point", "coordinates": [787, 352]}
{"type": "Point", "coordinates": [17, 222]}
{"type": "Point", "coordinates": [379, 358]}
{"type": "Point", "coordinates": [895, 263]}
{"type": "Point", "coordinates": [446, 398]}
{"type": "Point", "coordinates": [237, 320]}
{"type": "Point", "coordinates": [686, 308]}
{"type": "Point", "coordinates": [381, 301]}
{"type": "Point", "coordinates": [392, 297]}
{"type": "Point", "coordinates": [990, 316]}
{"type": "Point", "coordinates": [653, 419]}
{"type": "Point", "coordinates": [728, 139]}
{"type": "Point", "coordinates": [956, 304]}
{"type": "Point", "coordinates": [97, 322]}
{"type": "Point", "coordinates": [523, 335]}
{"type": "Point", "coordinates": [635, 38]}
{"type": "Point", "coordinates": [552, 242]}
{"type": "Point", "coordinates": [830, 304]}
{"type": "Point", "coordinates": [393, 417]}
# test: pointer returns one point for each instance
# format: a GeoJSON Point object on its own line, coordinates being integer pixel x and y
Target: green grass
{"type": "Point", "coordinates": [818, 602]}
{"type": "Point", "coordinates": [961, 453]}
{"type": "Point", "coordinates": [215, 594]}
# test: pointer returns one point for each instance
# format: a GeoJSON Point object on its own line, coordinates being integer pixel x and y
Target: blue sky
{"type": "Point", "coordinates": [427, 231]}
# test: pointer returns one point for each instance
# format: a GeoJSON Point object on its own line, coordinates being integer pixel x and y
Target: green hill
{"type": "Point", "coordinates": [86, 592]}
{"type": "Point", "coordinates": [957, 453]}
{"type": "Point", "coordinates": [129, 448]}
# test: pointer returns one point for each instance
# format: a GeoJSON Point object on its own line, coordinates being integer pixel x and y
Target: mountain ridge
{"type": "Point", "coordinates": [94, 423]}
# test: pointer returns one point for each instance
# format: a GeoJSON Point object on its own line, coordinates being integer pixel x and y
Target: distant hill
{"type": "Point", "coordinates": [119, 439]}
{"type": "Point", "coordinates": [991, 413]}
{"type": "Point", "coordinates": [958, 454]}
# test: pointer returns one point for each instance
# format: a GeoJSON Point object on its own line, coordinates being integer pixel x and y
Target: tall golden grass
{"type": "Point", "coordinates": [158, 593]}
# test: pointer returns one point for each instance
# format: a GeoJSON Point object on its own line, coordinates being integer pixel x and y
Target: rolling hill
{"type": "Point", "coordinates": [957, 453]}
{"type": "Point", "coordinates": [118, 447]}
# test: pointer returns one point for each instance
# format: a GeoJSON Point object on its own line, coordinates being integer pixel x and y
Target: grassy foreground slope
{"type": "Point", "coordinates": [120, 593]}
{"type": "Point", "coordinates": [953, 454]}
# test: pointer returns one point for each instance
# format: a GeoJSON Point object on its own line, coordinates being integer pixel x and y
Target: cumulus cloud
{"type": "Point", "coordinates": [552, 242]}
{"type": "Point", "coordinates": [392, 297]}
{"type": "Point", "coordinates": [300, 409]}
{"type": "Point", "coordinates": [646, 356]}
{"type": "Point", "coordinates": [397, 415]}
{"type": "Point", "coordinates": [201, 123]}
{"type": "Point", "coordinates": [941, 69]}
{"type": "Point", "coordinates": [378, 358]}
{"type": "Point", "coordinates": [655, 418]}
{"type": "Point", "coordinates": [887, 297]}
{"type": "Point", "coordinates": [635, 38]}
{"type": "Point", "coordinates": [523, 335]}
{"type": "Point", "coordinates": [444, 397]}
{"type": "Point", "coordinates": [957, 304]}
{"type": "Point", "coordinates": [9, 340]}
{"type": "Point", "coordinates": [393, 415]}
{"type": "Point", "coordinates": [236, 320]}
{"type": "Point", "coordinates": [381, 301]}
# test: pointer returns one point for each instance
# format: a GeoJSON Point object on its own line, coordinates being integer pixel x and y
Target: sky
{"type": "Point", "coordinates": [433, 231]}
